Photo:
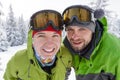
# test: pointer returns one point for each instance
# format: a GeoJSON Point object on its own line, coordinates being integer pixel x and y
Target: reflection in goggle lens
{"type": "Point", "coordinates": [81, 14]}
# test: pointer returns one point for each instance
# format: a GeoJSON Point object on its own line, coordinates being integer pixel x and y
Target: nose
{"type": "Point", "coordinates": [75, 35]}
{"type": "Point", "coordinates": [49, 42]}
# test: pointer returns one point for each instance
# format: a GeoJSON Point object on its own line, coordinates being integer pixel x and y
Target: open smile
{"type": "Point", "coordinates": [49, 50]}
{"type": "Point", "coordinates": [77, 43]}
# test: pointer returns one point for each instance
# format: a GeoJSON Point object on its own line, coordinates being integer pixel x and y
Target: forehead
{"type": "Point", "coordinates": [46, 32]}
{"type": "Point", "coordinates": [76, 27]}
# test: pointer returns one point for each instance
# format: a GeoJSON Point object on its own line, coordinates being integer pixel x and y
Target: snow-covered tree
{"type": "Point", "coordinates": [112, 17]}
{"type": "Point", "coordinates": [99, 4]}
{"type": "Point", "coordinates": [3, 40]}
{"type": "Point", "coordinates": [116, 28]}
{"type": "Point", "coordinates": [23, 29]}
{"type": "Point", "coordinates": [1, 13]}
{"type": "Point", "coordinates": [102, 4]}
{"type": "Point", "coordinates": [13, 33]}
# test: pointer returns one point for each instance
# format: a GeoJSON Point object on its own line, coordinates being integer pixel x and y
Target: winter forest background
{"type": "Point", "coordinates": [13, 30]}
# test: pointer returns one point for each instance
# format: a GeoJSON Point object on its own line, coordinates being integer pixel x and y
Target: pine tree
{"type": "Point", "coordinates": [112, 17]}
{"type": "Point", "coordinates": [3, 40]}
{"type": "Point", "coordinates": [22, 29]}
{"type": "Point", "coordinates": [13, 34]}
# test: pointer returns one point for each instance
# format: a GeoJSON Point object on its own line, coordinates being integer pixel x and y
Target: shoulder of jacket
{"type": "Point", "coordinates": [64, 49]}
{"type": "Point", "coordinates": [65, 55]}
{"type": "Point", "coordinates": [110, 44]}
{"type": "Point", "coordinates": [18, 63]}
{"type": "Point", "coordinates": [111, 38]}
{"type": "Point", "coordinates": [19, 59]}
{"type": "Point", "coordinates": [19, 55]}
{"type": "Point", "coordinates": [65, 52]}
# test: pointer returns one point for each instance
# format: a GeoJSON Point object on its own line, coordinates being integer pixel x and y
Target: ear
{"type": "Point", "coordinates": [99, 13]}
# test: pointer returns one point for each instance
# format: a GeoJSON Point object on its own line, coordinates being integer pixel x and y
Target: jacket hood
{"type": "Point", "coordinates": [103, 23]}
{"type": "Point", "coordinates": [30, 51]}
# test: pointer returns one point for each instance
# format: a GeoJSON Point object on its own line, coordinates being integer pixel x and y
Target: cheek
{"type": "Point", "coordinates": [68, 36]}
{"type": "Point", "coordinates": [58, 45]}
{"type": "Point", "coordinates": [37, 44]}
{"type": "Point", "coordinates": [58, 42]}
{"type": "Point", "coordinates": [88, 37]}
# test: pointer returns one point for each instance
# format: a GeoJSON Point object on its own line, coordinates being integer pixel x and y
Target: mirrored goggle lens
{"type": "Point", "coordinates": [42, 19]}
{"type": "Point", "coordinates": [83, 15]}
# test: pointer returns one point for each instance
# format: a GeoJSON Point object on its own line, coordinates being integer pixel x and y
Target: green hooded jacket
{"type": "Point", "coordinates": [24, 65]}
{"type": "Point", "coordinates": [104, 60]}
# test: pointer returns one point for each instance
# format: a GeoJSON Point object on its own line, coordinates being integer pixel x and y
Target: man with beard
{"type": "Point", "coordinates": [95, 52]}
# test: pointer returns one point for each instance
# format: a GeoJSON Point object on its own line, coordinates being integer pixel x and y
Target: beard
{"type": "Point", "coordinates": [79, 48]}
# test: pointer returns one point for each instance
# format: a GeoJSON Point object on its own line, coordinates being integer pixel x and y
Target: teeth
{"type": "Point", "coordinates": [48, 50]}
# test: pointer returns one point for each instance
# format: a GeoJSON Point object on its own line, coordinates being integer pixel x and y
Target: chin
{"type": "Point", "coordinates": [50, 57]}
{"type": "Point", "coordinates": [76, 48]}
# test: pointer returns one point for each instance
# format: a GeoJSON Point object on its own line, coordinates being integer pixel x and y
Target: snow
{"type": "Point", "coordinates": [6, 56]}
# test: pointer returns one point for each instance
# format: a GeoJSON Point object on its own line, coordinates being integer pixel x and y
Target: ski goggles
{"type": "Point", "coordinates": [82, 14]}
{"type": "Point", "coordinates": [44, 18]}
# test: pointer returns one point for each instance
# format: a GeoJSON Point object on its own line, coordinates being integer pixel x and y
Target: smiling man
{"type": "Point", "coordinates": [79, 37]}
{"type": "Point", "coordinates": [95, 52]}
{"type": "Point", "coordinates": [43, 59]}
{"type": "Point", "coordinates": [46, 44]}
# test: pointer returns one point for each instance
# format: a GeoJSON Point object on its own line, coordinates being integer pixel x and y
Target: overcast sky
{"type": "Point", "coordinates": [28, 7]}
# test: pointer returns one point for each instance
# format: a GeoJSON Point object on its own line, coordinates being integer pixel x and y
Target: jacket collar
{"type": "Point", "coordinates": [30, 51]}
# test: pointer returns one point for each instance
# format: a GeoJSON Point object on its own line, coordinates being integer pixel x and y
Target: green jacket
{"type": "Point", "coordinates": [24, 66]}
{"type": "Point", "coordinates": [104, 61]}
